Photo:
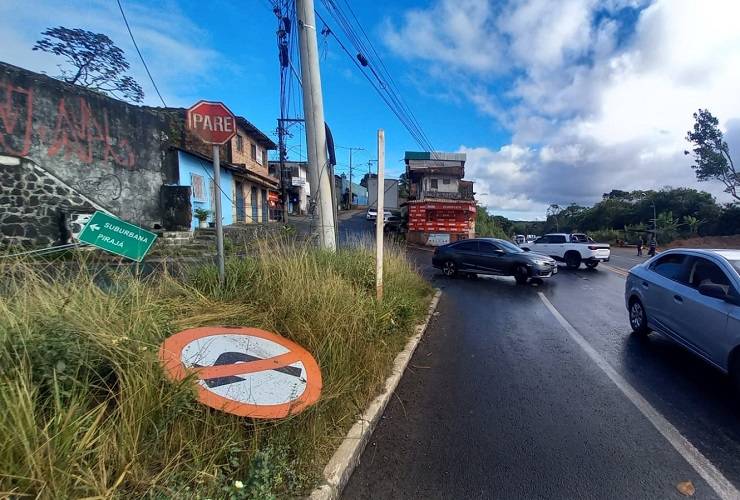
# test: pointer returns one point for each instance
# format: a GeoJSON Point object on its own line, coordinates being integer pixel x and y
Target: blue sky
{"type": "Point", "coordinates": [552, 100]}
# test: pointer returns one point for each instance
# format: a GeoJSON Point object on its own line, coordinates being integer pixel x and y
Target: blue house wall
{"type": "Point", "coordinates": [190, 165]}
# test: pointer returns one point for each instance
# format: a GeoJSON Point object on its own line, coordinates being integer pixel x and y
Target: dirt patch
{"type": "Point", "coordinates": [707, 242]}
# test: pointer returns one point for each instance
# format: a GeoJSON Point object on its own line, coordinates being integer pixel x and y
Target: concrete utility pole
{"type": "Point", "coordinates": [313, 111]}
{"type": "Point", "coordinates": [219, 221]}
{"type": "Point", "coordinates": [380, 219]}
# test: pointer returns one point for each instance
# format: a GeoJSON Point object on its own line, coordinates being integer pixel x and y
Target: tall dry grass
{"type": "Point", "coordinates": [85, 410]}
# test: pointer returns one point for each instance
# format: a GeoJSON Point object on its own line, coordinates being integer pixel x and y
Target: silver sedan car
{"type": "Point", "coordinates": [692, 297]}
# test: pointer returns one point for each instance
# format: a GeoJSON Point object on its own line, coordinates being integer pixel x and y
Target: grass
{"type": "Point", "coordinates": [85, 410]}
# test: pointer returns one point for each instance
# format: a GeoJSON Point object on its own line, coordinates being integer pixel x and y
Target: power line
{"type": "Point", "coordinates": [151, 79]}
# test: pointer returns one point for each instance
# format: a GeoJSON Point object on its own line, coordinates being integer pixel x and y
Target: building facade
{"type": "Point", "coordinates": [297, 185]}
{"type": "Point", "coordinates": [441, 205]}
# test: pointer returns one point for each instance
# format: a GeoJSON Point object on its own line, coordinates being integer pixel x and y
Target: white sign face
{"type": "Point", "coordinates": [297, 181]}
{"type": "Point", "coordinates": [438, 239]}
{"type": "Point", "coordinates": [267, 387]}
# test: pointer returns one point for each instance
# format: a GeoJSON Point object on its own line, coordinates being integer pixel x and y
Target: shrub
{"type": "Point", "coordinates": [86, 411]}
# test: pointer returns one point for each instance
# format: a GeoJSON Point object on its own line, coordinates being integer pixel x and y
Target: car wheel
{"type": "Point", "coordinates": [572, 260]}
{"type": "Point", "coordinates": [449, 268]}
{"type": "Point", "coordinates": [638, 318]}
{"type": "Point", "coordinates": [521, 275]}
{"type": "Point", "coordinates": [592, 264]}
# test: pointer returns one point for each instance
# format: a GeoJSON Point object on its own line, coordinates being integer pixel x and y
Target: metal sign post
{"type": "Point", "coordinates": [214, 124]}
{"type": "Point", "coordinates": [217, 215]}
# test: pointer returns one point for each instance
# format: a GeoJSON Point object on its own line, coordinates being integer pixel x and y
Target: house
{"type": "Point", "coordinates": [249, 194]}
{"type": "Point", "coordinates": [256, 191]}
{"type": "Point", "coordinates": [297, 185]}
{"type": "Point", "coordinates": [441, 205]}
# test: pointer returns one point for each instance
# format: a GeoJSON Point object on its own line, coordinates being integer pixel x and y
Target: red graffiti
{"type": "Point", "coordinates": [16, 113]}
{"type": "Point", "coordinates": [82, 134]}
{"type": "Point", "coordinates": [77, 131]}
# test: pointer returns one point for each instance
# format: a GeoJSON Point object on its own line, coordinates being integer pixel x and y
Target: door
{"type": "Point", "coordinates": [240, 208]}
{"type": "Point", "coordinates": [265, 207]}
{"type": "Point", "coordinates": [541, 245]}
{"type": "Point", "coordinates": [466, 254]}
{"type": "Point", "coordinates": [701, 320]}
{"type": "Point", "coordinates": [663, 292]}
{"type": "Point", "coordinates": [255, 210]}
{"type": "Point", "coordinates": [490, 258]}
{"type": "Point", "coordinates": [556, 245]}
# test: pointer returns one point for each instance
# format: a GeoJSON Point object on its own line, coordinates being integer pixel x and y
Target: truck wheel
{"type": "Point", "coordinates": [591, 264]}
{"type": "Point", "coordinates": [521, 275]}
{"type": "Point", "coordinates": [638, 318]}
{"type": "Point", "coordinates": [573, 260]}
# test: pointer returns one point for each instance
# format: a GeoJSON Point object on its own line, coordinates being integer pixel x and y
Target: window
{"type": "Point", "coordinates": [542, 240]}
{"type": "Point", "coordinates": [578, 238]}
{"type": "Point", "coordinates": [736, 265]}
{"type": "Point", "coordinates": [446, 181]}
{"type": "Point", "coordinates": [254, 152]}
{"type": "Point", "coordinates": [198, 186]}
{"type": "Point", "coordinates": [670, 266]}
{"type": "Point", "coordinates": [489, 248]}
{"type": "Point", "coordinates": [239, 143]}
{"type": "Point", "coordinates": [434, 183]}
{"type": "Point", "coordinates": [509, 247]}
{"type": "Point", "coordinates": [704, 272]}
{"type": "Point", "coordinates": [556, 238]}
{"type": "Point", "coordinates": [467, 246]}
{"type": "Point", "coordinates": [259, 156]}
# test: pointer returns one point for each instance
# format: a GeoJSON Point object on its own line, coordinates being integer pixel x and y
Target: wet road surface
{"type": "Point", "coordinates": [500, 401]}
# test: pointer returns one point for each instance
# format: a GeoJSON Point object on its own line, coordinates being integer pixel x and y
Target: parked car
{"type": "Point", "coordinates": [520, 239]}
{"type": "Point", "coordinates": [692, 297]}
{"type": "Point", "coordinates": [492, 256]}
{"type": "Point", "coordinates": [395, 225]}
{"type": "Point", "coordinates": [372, 214]}
{"type": "Point", "coordinates": [573, 249]}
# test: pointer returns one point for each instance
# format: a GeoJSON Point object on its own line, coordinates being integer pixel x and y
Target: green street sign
{"type": "Point", "coordinates": [116, 236]}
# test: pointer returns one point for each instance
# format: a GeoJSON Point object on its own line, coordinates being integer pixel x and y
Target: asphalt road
{"type": "Point", "coordinates": [502, 401]}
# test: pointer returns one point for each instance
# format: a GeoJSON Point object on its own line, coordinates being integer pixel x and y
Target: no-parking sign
{"type": "Point", "coordinates": [245, 371]}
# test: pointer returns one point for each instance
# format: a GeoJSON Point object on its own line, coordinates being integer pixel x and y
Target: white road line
{"type": "Point", "coordinates": [718, 482]}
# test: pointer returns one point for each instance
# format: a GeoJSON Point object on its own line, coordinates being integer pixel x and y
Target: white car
{"type": "Point", "coordinates": [573, 249]}
{"type": "Point", "coordinates": [372, 214]}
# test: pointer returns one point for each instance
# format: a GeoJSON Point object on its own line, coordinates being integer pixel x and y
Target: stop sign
{"type": "Point", "coordinates": [211, 121]}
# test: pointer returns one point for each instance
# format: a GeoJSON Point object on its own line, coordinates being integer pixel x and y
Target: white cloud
{"type": "Point", "coordinates": [589, 109]}
{"type": "Point", "coordinates": [175, 49]}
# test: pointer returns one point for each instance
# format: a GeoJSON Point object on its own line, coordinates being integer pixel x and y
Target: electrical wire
{"type": "Point", "coordinates": [136, 46]}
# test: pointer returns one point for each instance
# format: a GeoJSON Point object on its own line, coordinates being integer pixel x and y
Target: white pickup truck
{"type": "Point", "coordinates": [571, 249]}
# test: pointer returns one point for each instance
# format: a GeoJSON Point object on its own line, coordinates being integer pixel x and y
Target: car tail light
{"type": "Point", "coordinates": [592, 247]}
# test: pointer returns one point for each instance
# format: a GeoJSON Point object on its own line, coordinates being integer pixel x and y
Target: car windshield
{"type": "Point", "coordinates": [509, 247]}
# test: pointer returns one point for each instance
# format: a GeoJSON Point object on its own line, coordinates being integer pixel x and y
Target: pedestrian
{"type": "Point", "coordinates": [653, 244]}
{"type": "Point", "coordinates": [639, 247]}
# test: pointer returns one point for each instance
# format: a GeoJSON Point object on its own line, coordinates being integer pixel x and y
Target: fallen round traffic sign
{"type": "Point", "coordinates": [244, 371]}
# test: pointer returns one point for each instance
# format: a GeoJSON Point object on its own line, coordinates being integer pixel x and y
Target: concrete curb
{"type": "Point", "coordinates": [341, 465]}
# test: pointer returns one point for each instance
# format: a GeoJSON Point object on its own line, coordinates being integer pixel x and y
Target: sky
{"type": "Point", "coordinates": [553, 101]}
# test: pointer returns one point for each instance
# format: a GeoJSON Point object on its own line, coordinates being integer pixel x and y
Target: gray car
{"type": "Point", "coordinates": [693, 297]}
{"type": "Point", "coordinates": [492, 256]}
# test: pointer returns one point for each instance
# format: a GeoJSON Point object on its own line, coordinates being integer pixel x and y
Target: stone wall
{"type": "Point", "coordinates": [34, 204]}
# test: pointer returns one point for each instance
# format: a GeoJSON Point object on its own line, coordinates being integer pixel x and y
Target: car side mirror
{"type": "Point", "coordinates": [714, 291]}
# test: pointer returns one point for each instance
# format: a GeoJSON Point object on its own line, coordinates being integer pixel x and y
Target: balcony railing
{"type": "Point", "coordinates": [445, 195]}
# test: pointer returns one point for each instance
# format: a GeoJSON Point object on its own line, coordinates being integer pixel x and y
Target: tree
{"type": "Point", "coordinates": [712, 154]}
{"type": "Point", "coordinates": [403, 186]}
{"type": "Point", "coordinates": [94, 62]}
{"type": "Point", "coordinates": [552, 212]}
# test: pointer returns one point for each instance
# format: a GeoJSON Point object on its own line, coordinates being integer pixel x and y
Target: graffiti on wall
{"type": "Point", "coordinates": [74, 129]}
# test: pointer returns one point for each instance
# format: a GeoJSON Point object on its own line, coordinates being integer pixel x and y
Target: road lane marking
{"type": "Point", "coordinates": [716, 480]}
{"type": "Point", "coordinates": [618, 270]}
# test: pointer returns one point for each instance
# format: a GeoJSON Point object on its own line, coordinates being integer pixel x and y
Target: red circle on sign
{"type": "Point", "coordinates": [211, 121]}
{"type": "Point", "coordinates": [171, 354]}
